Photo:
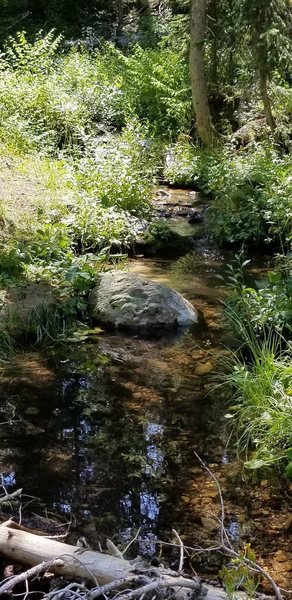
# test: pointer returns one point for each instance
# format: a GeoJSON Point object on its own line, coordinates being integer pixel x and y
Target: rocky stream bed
{"type": "Point", "coordinates": [106, 429]}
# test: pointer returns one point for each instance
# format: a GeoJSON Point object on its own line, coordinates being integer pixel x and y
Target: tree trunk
{"type": "Point", "coordinates": [213, 26]}
{"type": "Point", "coordinates": [206, 131]}
{"type": "Point", "coordinates": [144, 7]}
{"type": "Point", "coordinates": [267, 102]}
{"type": "Point", "coordinates": [120, 25]}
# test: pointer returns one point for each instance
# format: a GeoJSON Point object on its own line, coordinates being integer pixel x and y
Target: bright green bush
{"type": "Point", "coordinates": [51, 101]}
{"type": "Point", "coordinates": [251, 190]}
{"type": "Point", "coordinates": [262, 404]}
{"type": "Point", "coordinates": [156, 83]}
{"type": "Point", "coordinates": [119, 172]}
{"type": "Point", "coordinates": [267, 306]}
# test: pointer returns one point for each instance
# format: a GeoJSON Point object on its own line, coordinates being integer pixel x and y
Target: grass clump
{"type": "Point", "coordinates": [260, 372]}
{"type": "Point", "coordinates": [186, 265]}
{"type": "Point", "coordinates": [262, 401]}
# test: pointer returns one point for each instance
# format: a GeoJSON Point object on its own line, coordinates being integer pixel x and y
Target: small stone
{"type": "Point", "coordinates": [288, 523]}
{"type": "Point", "coordinates": [203, 368]}
{"type": "Point", "coordinates": [281, 556]}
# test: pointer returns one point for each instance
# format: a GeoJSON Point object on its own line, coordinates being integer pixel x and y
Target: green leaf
{"type": "Point", "coordinates": [275, 276]}
{"type": "Point", "coordinates": [288, 470]}
{"type": "Point", "coordinates": [256, 463]}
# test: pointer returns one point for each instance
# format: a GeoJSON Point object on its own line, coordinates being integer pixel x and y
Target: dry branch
{"type": "Point", "coordinates": [10, 497]}
{"type": "Point", "coordinates": [11, 582]}
{"type": "Point", "coordinates": [225, 545]}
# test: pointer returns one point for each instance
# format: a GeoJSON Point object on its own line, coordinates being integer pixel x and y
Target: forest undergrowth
{"type": "Point", "coordinates": [85, 137]}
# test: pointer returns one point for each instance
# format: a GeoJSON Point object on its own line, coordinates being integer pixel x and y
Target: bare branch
{"type": "Point", "coordinates": [181, 557]}
{"type": "Point", "coordinates": [226, 548]}
{"type": "Point", "coordinates": [7, 586]}
{"type": "Point", "coordinates": [131, 542]}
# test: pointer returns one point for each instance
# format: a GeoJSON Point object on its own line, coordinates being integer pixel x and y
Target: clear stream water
{"type": "Point", "coordinates": [108, 429]}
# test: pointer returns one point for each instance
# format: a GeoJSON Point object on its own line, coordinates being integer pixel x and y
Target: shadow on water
{"type": "Point", "coordinates": [108, 429]}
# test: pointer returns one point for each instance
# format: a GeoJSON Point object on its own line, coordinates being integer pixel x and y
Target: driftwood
{"type": "Point", "coordinates": [113, 574]}
{"type": "Point", "coordinates": [29, 549]}
{"type": "Point", "coordinates": [107, 573]}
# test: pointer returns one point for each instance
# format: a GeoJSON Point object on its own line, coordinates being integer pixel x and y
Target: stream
{"type": "Point", "coordinates": [107, 430]}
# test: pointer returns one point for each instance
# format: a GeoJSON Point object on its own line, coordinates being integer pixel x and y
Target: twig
{"type": "Point", "coordinates": [13, 581]}
{"type": "Point", "coordinates": [131, 542]}
{"type": "Point", "coordinates": [108, 587]}
{"type": "Point", "coordinates": [180, 582]}
{"type": "Point", "coordinates": [181, 557]}
{"type": "Point", "coordinates": [228, 549]}
{"type": "Point", "coordinates": [68, 588]}
{"type": "Point", "coordinates": [223, 534]}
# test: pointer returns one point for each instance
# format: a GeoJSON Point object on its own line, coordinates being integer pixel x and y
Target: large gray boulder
{"type": "Point", "coordinates": [129, 301]}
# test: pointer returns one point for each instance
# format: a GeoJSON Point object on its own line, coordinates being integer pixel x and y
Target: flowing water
{"type": "Point", "coordinates": [107, 430]}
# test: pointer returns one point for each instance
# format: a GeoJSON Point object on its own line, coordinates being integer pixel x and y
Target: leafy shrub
{"type": "Point", "coordinates": [50, 102]}
{"type": "Point", "coordinates": [250, 206]}
{"type": "Point", "coordinates": [182, 164]}
{"type": "Point", "coordinates": [36, 57]}
{"type": "Point", "coordinates": [119, 172]}
{"type": "Point", "coordinates": [251, 190]}
{"type": "Point", "coordinates": [267, 306]}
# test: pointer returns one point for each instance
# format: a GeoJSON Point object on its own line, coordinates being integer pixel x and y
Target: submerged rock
{"type": "Point", "coordinates": [129, 301]}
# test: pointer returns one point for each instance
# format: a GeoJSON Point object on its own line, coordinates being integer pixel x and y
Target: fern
{"type": "Point", "coordinates": [36, 57]}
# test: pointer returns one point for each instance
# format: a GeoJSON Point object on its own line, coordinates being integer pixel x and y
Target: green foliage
{"type": "Point", "coordinates": [251, 191]}
{"type": "Point", "coordinates": [41, 325]}
{"type": "Point", "coordinates": [155, 82]}
{"type": "Point", "coordinates": [182, 163]}
{"type": "Point", "coordinates": [262, 403]}
{"type": "Point", "coordinates": [267, 307]}
{"type": "Point", "coordinates": [269, 27]}
{"type": "Point", "coordinates": [36, 58]}
{"type": "Point", "coordinates": [288, 470]}
{"type": "Point", "coordinates": [260, 373]}
{"type": "Point", "coordinates": [51, 101]}
{"type": "Point", "coordinates": [186, 265]}
{"type": "Point", "coordinates": [164, 240]}
{"type": "Point", "coordinates": [239, 576]}
{"type": "Point", "coordinates": [119, 172]}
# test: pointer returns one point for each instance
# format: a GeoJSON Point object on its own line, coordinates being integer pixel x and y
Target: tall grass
{"type": "Point", "coordinates": [260, 377]}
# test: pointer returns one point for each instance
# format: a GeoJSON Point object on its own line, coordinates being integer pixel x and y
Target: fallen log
{"type": "Point", "coordinates": [111, 572]}
{"type": "Point", "coordinates": [72, 561]}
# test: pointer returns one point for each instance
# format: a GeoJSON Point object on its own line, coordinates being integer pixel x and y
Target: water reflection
{"type": "Point", "coordinates": [9, 479]}
{"type": "Point", "coordinates": [233, 531]}
{"type": "Point", "coordinates": [120, 420]}
{"type": "Point", "coordinates": [114, 441]}
{"type": "Point", "coordinates": [154, 454]}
